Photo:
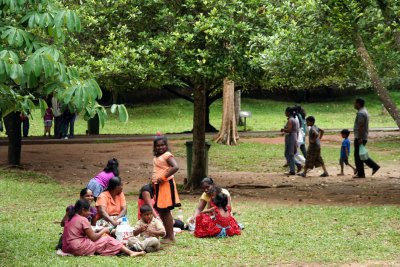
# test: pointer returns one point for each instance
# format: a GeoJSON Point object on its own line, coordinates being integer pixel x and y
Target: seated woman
{"type": "Point", "coordinates": [88, 195]}
{"type": "Point", "coordinates": [79, 239]}
{"type": "Point", "coordinates": [217, 221]}
{"type": "Point", "coordinates": [85, 194]}
{"type": "Point", "coordinates": [208, 186]}
{"type": "Point", "coordinates": [146, 197]}
{"type": "Point", "coordinates": [111, 204]}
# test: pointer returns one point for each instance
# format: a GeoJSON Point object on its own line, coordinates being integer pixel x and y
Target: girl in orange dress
{"type": "Point", "coordinates": [166, 194]}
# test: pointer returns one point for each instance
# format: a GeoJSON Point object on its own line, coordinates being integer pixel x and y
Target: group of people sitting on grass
{"type": "Point", "coordinates": [91, 230]}
{"type": "Point", "coordinates": [295, 131]}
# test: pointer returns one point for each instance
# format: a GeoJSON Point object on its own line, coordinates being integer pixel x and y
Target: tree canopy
{"type": "Point", "coordinates": [32, 65]}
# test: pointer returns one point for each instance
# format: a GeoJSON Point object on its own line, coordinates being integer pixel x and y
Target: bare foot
{"type": "Point", "coordinates": [340, 174]}
{"type": "Point", "coordinates": [135, 254]}
{"type": "Point", "coordinates": [167, 241]}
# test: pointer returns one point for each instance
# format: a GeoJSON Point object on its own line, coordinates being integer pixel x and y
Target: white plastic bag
{"type": "Point", "coordinates": [363, 152]}
{"type": "Point", "coordinates": [300, 158]}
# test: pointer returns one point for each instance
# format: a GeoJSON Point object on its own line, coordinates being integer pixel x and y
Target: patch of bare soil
{"type": "Point", "coordinates": [76, 164]}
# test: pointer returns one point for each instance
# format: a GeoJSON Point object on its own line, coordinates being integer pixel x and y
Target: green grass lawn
{"type": "Point", "coordinates": [174, 116]}
{"type": "Point", "coordinates": [273, 235]}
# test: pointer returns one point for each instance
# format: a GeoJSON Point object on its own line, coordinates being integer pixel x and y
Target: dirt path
{"type": "Point", "coordinates": [77, 163]}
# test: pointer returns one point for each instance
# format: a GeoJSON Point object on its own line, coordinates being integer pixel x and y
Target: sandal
{"type": "Point", "coordinates": [325, 174]}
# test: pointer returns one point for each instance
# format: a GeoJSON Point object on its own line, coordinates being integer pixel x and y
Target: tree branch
{"type": "Point", "coordinates": [179, 94]}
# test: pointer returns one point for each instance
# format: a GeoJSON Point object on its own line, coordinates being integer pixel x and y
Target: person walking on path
{"type": "Point", "coordinates": [344, 152]}
{"type": "Point", "coordinates": [290, 132]}
{"type": "Point", "coordinates": [360, 138]}
{"type": "Point", "coordinates": [314, 158]}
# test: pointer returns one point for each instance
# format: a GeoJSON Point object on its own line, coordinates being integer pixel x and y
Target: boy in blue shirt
{"type": "Point", "coordinates": [344, 152]}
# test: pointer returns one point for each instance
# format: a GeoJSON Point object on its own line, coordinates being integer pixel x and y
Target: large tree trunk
{"type": "Point", "coordinates": [237, 106]}
{"type": "Point", "coordinates": [199, 138]}
{"type": "Point", "coordinates": [228, 135]}
{"type": "Point", "coordinates": [12, 123]}
{"type": "Point", "coordinates": [377, 84]}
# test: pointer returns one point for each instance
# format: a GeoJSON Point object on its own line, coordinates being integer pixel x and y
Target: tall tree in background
{"type": "Point", "coordinates": [32, 66]}
{"type": "Point", "coordinates": [228, 133]}
{"type": "Point", "coordinates": [350, 18]}
{"type": "Point", "coordinates": [185, 44]}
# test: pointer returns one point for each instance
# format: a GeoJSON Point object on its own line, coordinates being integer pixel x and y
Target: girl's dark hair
{"type": "Point", "coordinates": [291, 111]}
{"type": "Point", "coordinates": [114, 182]}
{"type": "Point", "coordinates": [215, 189]}
{"type": "Point", "coordinates": [83, 192]}
{"type": "Point", "coordinates": [207, 180]}
{"type": "Point", "coordinates": [158, 138]}
{"type": "Point", "coordinates": [112, 166]}
{"type": "Point", "coordinates": [345, 132]}
{"type": "Point", "coordinates": [301, 111]}
{"type": "Point", "coordinates": [145, 208]}
{"type": "Point", "coordinates": [221, 201]}
{"type": "Point", "coordinates": [79, 206]}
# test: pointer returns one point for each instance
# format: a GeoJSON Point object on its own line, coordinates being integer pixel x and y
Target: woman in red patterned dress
{"type": "Point", "coordinates": [217, 221]}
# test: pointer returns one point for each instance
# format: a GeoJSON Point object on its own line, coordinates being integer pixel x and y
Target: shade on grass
{"type": "Point", "coordinates": [273, 234]}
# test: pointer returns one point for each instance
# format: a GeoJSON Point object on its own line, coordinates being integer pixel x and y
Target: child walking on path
{"type": "Point", "coordinates": [166, 194]}
{"type": "Point", "coordinates": [79, 239]}
{"type": "Point", "coordinates": [221, 223]}
{"type": "Point", "coordinates": [314, 158]}
{"type": "Point", "coordinates": [147, 231]}
{"type": "Point", "coordinates": [48, 121]}
{"type": "Point", "coordinates": [345, 152]}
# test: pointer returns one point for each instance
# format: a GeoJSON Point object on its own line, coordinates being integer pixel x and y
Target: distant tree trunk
{"type": "Point", "coordinates": [12, 123]}
{"type": "Point", "coordinates": [237, 106]}
{"type": "Point", "coordinates": [115, 95]}
{"type": "Point", "coordinates": [377, 84]}
{"type": "Point", "coordinates": [228, 134]}
{"type": "Point", "coordinates": [199, 137]}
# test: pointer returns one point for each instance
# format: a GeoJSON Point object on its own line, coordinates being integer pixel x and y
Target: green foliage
{"type": "Point", "coordinates": [157, 43]}
{"type": "Point", "coordinates": [274, 235]}
{"type": "Point", "coordinates": [312, 44]}
{"type": "Point", "coordinates": [31, 63]}
{"type": "Point", "coordinates": [278, 44]}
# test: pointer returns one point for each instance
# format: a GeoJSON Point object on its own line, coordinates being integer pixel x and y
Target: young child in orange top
{"type": "Point", "coordinates": [166, 194]}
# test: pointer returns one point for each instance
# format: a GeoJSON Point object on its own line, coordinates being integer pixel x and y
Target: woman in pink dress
{"type": "Point", "coordinates": [80, 240]}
